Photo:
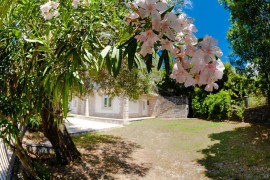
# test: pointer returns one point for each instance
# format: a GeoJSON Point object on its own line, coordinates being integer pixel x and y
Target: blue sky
{"type": "Point", "coordinates": [213, 19]}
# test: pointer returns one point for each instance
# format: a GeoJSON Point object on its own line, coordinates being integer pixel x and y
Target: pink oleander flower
{"type": "Point", "coordinates": [190, 50]}
{"type": "Point", "coordinates": [181, 75]}
{"type": "Point", "coordinates": [219, 69]}
{"type": "Point", "coordinates": [167, 44]}
{"type": "Point", "coordinates": [197, 62]}
{"type": "Point", "coordinates": [75, 3]}
{"type": "Point", "coordinates": [148, 39]}
{"type": "Point", "coordinates": [148, 7]}
{"type": "Point", "coordinates": [49, 10]}
{"type": "Point", "coordinates": [182, 23]}
{"type": "Point", "coordinates": [190, 39]}
{"type": "Point", "coordinates": [190, 28]}
{"type": "Point", "coordinates": [156, 19]}
{"type": "Point", "coordinates": [146, 49]}
{"type": "Point", "coordinates": [168, 24]}
{"type": "Point", "coordinates": [210, 49]}
{"type": "Point", "coordinates": [211, 73]}
{"type": "Point", "coordinates": [211, 85]}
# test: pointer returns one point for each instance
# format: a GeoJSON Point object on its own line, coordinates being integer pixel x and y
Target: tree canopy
{"type": "Point", "coordinates": [42, 63]}
{"type": "Point", "coordinates": [249, 37]}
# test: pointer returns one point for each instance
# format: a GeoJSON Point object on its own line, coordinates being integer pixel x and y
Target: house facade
{"type": "Point", "coordinates": [120, 107]}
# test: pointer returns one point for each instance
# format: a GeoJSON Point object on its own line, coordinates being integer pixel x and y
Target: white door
{"type": "Point", "coordinates": [145, 108]}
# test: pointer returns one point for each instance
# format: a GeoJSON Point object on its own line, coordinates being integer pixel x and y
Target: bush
{"type": "Point", "coordinates": [237, 109]}
{"type": "Point", "coordinates": [212, 106]}
{"type": "Point", "coordinates": [197, 103]}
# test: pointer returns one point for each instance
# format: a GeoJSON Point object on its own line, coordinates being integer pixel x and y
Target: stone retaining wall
{"type": "Point", "coordinates": [256, 115]}
{"type": "Point", "coordinates": [168, 107]}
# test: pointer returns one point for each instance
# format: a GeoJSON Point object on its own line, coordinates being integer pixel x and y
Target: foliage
{"type": "Point", "coordinates": [166, 37]}
{"type": "Point", "coordinates": [254, 101]}
{"type": "Point", "coordinates": [43, 62]}
{"type": "Point", "coordinates": [214, 106]}
{"type": "Point", "coordinates": [5, 5]}
{"type": "Point", "coordinates": [238, 84]}
{"type": "Point", "coordinates": [131, 83]}
{"type": "Point", "coordinates": [237, 109]}
{"type": "Point", "coordinates": [34, 122]}
{"type": "Point", "coordinates": [249, 37]}
{"type": "Point", "coordinates": [197, 103]}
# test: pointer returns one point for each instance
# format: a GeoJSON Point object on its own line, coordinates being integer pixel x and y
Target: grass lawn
{"type": "Point", "coordinates": [174, 149]}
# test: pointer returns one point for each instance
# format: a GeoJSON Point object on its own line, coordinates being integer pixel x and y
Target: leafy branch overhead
{"type": "Point", "coordinates": [159, 31]}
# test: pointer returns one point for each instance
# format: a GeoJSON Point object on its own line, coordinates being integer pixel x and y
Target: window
{"type": "Point", "coordinates": [107, 101]}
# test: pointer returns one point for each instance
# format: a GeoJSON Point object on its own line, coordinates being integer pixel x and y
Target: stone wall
{"type": "Point", "coordinates": [256, 115]}
{"type": "Point", "coordinates": [168, 107]}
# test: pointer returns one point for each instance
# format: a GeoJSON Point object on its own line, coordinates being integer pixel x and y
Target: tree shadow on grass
{"type": "Point", "coordinates": [243, 153]}
{"type": "Point", "coordinates": [103, 157]}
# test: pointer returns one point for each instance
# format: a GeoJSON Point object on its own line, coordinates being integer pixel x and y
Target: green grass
{"type": "Point", "coordinates": [195, 148]}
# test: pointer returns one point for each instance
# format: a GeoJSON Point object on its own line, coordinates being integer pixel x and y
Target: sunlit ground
{"type": "Point", "coordinates": [174, 149]}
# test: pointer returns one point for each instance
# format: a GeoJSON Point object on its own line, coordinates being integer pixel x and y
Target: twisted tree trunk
{"type": "Point", "coordinates": [268, 103]}
{"type": "Point", "coordinates": [27, 163]}
{"type": "Point", "coordinates": [59, 137]}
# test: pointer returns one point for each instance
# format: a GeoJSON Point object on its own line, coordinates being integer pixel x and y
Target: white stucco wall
{"type": "Point", "coordinates": [96, 107]}
{"type": "Point", "coordinates": [75, 105]}
{"type": "Point", "coordinates": [99, 106]}
{"type": "Point", "coordinates": [134, 107]}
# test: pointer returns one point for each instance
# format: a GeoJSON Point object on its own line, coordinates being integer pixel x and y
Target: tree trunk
{"type": "Point", "coordinates": [59, 137]}
{"type": "Point", "coordinates": [268, 103]}
{"type": "Point", "coordinates": [26, 161]}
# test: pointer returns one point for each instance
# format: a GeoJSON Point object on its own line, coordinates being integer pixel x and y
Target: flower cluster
{"type": "Point", "coordinates": [49, 10]}
{"type": "Point", "coordinates": [196, 62]}
{"type": "Point", "coordinates": [75, 3]}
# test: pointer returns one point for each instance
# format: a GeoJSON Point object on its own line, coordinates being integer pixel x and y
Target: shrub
{"type": "Point", "coordinates": [212, 106]}
{"type": "Point", "coordinates": [197, 103]}
{"type": "Point", "coordinates": [237, 109]}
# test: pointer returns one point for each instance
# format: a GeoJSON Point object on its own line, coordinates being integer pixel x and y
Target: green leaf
{"type": "Point", "coordinates": [105, 51]}
{"type": "Point", "coordinates": [167, 62]}
{"type": "Point", "coordinates": [138, 61]}
{"type": "Point", "coordinates": [65, 96]}
{"type": "Point", "coordinates": [33, 41]}
{"type": "Point", "coordinates": [200, 39]}
{"type": "Point", "coordinates": [168, 10]}
{"type": "Point", "coordinates": [129, 47]}
{"type": "Point", "coordinates": [108, 63]}
{"type": "Point", "coordinates": [115, 50]}
{"type": "Point", "coordinates": [148, 61]}
{"type": "Point", "coordinates": [129, 41]}
{"type": "Point", "coordinates": [131, 54]}
{"type": "Point", "coordinates": [118, 63]}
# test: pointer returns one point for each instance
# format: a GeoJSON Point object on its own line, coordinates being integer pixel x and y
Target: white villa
{"type": "Point", "coordinates": [101, 105]}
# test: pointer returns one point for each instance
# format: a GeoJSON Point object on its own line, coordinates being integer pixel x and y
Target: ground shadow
{"type": "Point", "coordinates": [104, 157]}
{"type": "Point", "coordinates": [243, 153]}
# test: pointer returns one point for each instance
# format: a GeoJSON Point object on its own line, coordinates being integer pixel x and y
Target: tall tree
{"type": "Point", "coordinates": [41, 62]}
{"type": "Point", "coordinates": [249, 37]}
